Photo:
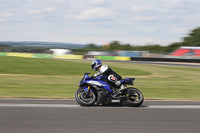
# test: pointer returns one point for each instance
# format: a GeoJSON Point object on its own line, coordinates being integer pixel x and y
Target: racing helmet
{"type": "Point", "coordinates": [95, 64]}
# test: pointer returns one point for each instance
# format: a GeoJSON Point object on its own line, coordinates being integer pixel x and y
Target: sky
{"type": "Point", "coordinates": [135, 22]}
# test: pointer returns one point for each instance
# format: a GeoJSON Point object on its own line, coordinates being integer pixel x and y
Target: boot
{"type": "Point", "coordinates": [122, 87]}
{"type": "Point", "coordinates": [117, 93]}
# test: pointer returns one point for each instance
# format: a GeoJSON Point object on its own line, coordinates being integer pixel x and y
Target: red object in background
{"type": "Point", "coordinates": [197, 52]}
{"type": "Point", "coordinates": [180, 52]}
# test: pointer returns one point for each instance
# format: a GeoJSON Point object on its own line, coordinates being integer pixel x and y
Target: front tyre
{"type": "Point", "coordinates": [85, 99]}
{"type": "Point", "coordinates": [134, 97]}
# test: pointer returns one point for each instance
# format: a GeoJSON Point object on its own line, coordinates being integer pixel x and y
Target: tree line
{"type": "Point", "coordinates": [193, 39]}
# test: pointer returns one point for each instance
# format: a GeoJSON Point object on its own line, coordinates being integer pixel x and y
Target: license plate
{"type": "Point", "coordinates": [115, 101]}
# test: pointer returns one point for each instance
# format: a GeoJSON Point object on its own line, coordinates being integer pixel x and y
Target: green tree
{"type": "Point", "coordinates": [173, 46]}
{"type": "Point", "coordinates": [126, 47]}
{"type": "Point", "coordinates": [115, 45]}
{"type": "Point", "coordinates": [193, 39]}
{"type": "Point", "coordinates": [91, 46]}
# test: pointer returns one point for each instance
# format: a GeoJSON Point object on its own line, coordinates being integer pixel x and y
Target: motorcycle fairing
{"type": "Point", "coordinates": [99, 83]}
{"type": "Point", "coordinates": [128, 81]}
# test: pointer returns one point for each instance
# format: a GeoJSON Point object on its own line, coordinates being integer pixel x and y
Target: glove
{"type": "Point", "coordinates": [97, 74]}
{"type": "Point", "coordinates": [118, 83]}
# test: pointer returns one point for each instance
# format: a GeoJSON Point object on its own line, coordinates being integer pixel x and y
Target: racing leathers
{"type": "Point", "coordinates": [112, 77]}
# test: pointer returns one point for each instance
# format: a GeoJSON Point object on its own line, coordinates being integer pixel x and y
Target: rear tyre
{"type": "Point", "coordinates": [134, 97]}
{"type": "Point", "coordinates": [85, 99]}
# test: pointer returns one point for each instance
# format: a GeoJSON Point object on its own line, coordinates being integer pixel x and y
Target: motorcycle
{"type": "Point", "coordinates": [96, 90]}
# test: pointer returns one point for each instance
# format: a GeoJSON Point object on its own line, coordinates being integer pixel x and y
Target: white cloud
{"type": "Point", "coordinates": [147, 8]}
{"type": "Point", "coordinates": [179, 30]}
{"type": "Point", "coordinates": [57, 1]}
{"type": "Point", "coordinates": [60, 1]}
{"type": "Point", "coordinates": [98, 21]}
{"type": "Point", "coordinates": [33, 0]}
{"type": "Point", "coordinates": [40, 11]}
{"type": "Point", "coordinates": [34, 12]}
{"type": "Point", "coordinates": [4, 16]}
{"type": "Point", "coordinates": [144, 18]}
{"type": "Point", "coordinates": [191, 17]}
{"type": "Point", "coordinates": [98, 1]}
{"type": "Point", "coordinates": [96, 13]}
{"type": "Point", "coordinates": [49, 9]}
{"type": "Point", "coordinates": [2, 19]}
{"type": "Point", "coordinates": [148, 29]}
{"type": "Point", "coordinates": [170, 3]}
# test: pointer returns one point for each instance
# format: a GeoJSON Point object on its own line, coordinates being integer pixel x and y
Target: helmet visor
{"type": "Point", "coordinates": [93, 67]}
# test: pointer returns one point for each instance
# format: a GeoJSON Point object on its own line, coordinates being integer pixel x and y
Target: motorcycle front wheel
{"type": "Point", "coordinates": [134, 97]}
{"type": "Point", "coordinates": [85, 99]}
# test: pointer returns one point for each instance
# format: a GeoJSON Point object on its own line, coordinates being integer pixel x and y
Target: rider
{"type": "Point", "coordinates": [111, 76]}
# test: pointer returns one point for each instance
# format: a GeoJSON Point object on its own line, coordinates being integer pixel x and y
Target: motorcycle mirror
{"type": "Point", "coordinates": [86, 74]}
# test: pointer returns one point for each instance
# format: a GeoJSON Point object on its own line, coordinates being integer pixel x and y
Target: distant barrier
{"type": "Point", "coordinates": [27, 55]}
{"type": "Point", "coordinates": [165, 60]}
{"type": "Point", "coordinates": [119, 58]}
{"type": "Point", "coordinates": [20, 55]}
{"type": "Point", "coordinates": [70, 56]}
{"type": "Point", "coordinates": [3, 53]}
{"type": "Point", "coordinates": [43, 56]}
{"type": "Point", "coordinates": [147, 59]}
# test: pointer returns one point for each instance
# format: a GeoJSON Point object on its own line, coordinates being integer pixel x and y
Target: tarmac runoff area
{"type": "Point", "coordinates": [66, 116]}
{"type": "Point", "coordinates": [77, 106]}
{"type": "Point", "coordinates": [71, 103]}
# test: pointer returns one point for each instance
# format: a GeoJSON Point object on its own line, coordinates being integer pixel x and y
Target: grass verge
{"type": "Point", "coordinates": [50, 78]}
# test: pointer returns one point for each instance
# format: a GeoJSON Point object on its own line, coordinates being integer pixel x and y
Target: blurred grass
{"type": "Point", "coordinates": [50, 78]}
{"type": "Point", "coordinates": [34, 66]}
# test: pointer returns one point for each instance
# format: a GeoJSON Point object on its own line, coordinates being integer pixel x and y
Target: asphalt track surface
{"type": "Point", "coordinates": [66, 116]}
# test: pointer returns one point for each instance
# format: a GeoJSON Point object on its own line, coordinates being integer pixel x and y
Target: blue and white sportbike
{"type": "Point", "coordinates": [96, 91]}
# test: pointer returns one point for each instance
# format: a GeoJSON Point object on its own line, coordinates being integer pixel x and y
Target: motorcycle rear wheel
{"type": "Point", "coordinates": [134, 97]}
{"type": "Point", "coordinates": [85, 99]}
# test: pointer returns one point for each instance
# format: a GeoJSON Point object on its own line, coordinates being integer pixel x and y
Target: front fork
{"type": "Point", "coordinates": [88, 91]}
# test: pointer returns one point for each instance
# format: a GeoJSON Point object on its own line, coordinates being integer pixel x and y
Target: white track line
{"type": "Point", "coordinates": [30, 99]}
{"type": "Point", "coordinates": [174, 106]}
{"type": "Point", "coordinates": [37, 105]}
{"type": "Point", "coordinates": [76, 106]}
